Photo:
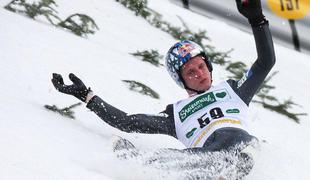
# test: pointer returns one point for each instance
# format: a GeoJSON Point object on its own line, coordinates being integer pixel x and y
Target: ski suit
{"type": "Point", "coordinates": [165, 123]}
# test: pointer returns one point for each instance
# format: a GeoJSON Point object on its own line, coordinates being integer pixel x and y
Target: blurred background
{"type": "Point", "coordinates": [289, 33]}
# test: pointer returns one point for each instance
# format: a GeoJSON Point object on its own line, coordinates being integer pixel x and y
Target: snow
{"type": "Point", "coordinates": [39, 144]}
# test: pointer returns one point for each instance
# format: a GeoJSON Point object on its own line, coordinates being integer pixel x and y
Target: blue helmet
{"type": "Point", "coordinates": [179, 54]}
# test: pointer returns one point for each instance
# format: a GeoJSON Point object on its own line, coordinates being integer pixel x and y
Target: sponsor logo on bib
{"type": "Point", "coordinates": [197, 104]}
{"type": "Point", "coordinates": [232, 111]}
{"type": "Point", "coordinates": [221, 94]}
{"type": "Point", "coordinates": [190, 133]}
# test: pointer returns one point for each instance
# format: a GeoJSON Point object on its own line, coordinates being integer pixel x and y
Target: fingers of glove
{"type": "Point", "coordinates": [61, 87]}
{"type": "Point", "coordinates": [57, 81]}
{"type": "Point", "coordinates": [240, 6]}
{"type": "Point", "coordinates": [248, 3]}
{"type": "Point", "coordinates": [245, 3]}
{"type": "Point", "coordinates": [238, 3]}
{"type": "Point", "coordinates": [251, 3]}
{"type": "Point", "coordinates": [75, 80]}
{"type": "Point", "coordinates": [58, 77]}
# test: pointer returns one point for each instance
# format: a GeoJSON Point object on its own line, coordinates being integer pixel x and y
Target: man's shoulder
{"type": "Point", "coordinates": [168, 112]}
{"type": "Point", "coordinates": [232, 83]}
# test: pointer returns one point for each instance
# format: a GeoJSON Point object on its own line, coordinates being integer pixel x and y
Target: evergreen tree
{"type": "Point", "coordinates": [66, 111]}
{"type": "Point", "coordinates": [79, 24]}
{"type": "Point", "coordinates": [152, 56]}
{"type": "Point", "coordinates": [43, 7]}
{"type": "Point", "coordinates": [138, 6]}
{"type": "Point", "coordinates": [141, 88]}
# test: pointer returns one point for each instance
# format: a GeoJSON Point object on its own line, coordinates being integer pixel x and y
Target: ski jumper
{"type": "Point", "coordinates": [209, 120]}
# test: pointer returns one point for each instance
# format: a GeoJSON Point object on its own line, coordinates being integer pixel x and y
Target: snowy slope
{"type": "Point", "coordinates": [38, 144]}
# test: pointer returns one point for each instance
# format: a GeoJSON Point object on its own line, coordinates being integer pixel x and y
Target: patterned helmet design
{"type": "Point", "coordinates": [179, 54]}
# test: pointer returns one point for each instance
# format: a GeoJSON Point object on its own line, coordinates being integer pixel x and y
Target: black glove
{"type": "Point", "coordinates": [77, 89]}
{"type": "Point", "coordinates": [251, 9]}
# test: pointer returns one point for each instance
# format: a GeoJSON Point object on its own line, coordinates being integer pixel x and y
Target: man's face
{"type": "Point", "coordinates": [196, 74]}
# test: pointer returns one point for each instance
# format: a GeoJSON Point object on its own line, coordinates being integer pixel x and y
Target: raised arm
{"type": "Point", "coordinates": [253, 79]}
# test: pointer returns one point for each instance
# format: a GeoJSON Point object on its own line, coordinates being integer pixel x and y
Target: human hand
{"type": "Point", "coordinates": [77, 89]}
{"type": "Point", "coordinates": [252, 10]}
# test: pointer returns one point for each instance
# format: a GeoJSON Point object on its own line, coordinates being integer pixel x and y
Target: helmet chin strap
{"type": "Point", "coordinates": [194, 90]}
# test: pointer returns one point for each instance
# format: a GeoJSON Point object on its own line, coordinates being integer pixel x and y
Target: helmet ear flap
{"type": "Point", "coordinates": [209, 65]}
{"type": "Point", "coordinates": [208, 62]}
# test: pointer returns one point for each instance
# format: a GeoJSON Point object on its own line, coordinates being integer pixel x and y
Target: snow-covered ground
{"type": "Point", "coordinates": [39, 144]}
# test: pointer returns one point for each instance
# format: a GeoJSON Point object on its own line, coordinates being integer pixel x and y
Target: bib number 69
{"type": "Point", "coordinates": [214, 113]}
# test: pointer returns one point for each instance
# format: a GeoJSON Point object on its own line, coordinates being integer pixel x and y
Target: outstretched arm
{"type": "Point", "coordinates": [251, 82]}
{"type": "Point", "coordinates": [141, 123]}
